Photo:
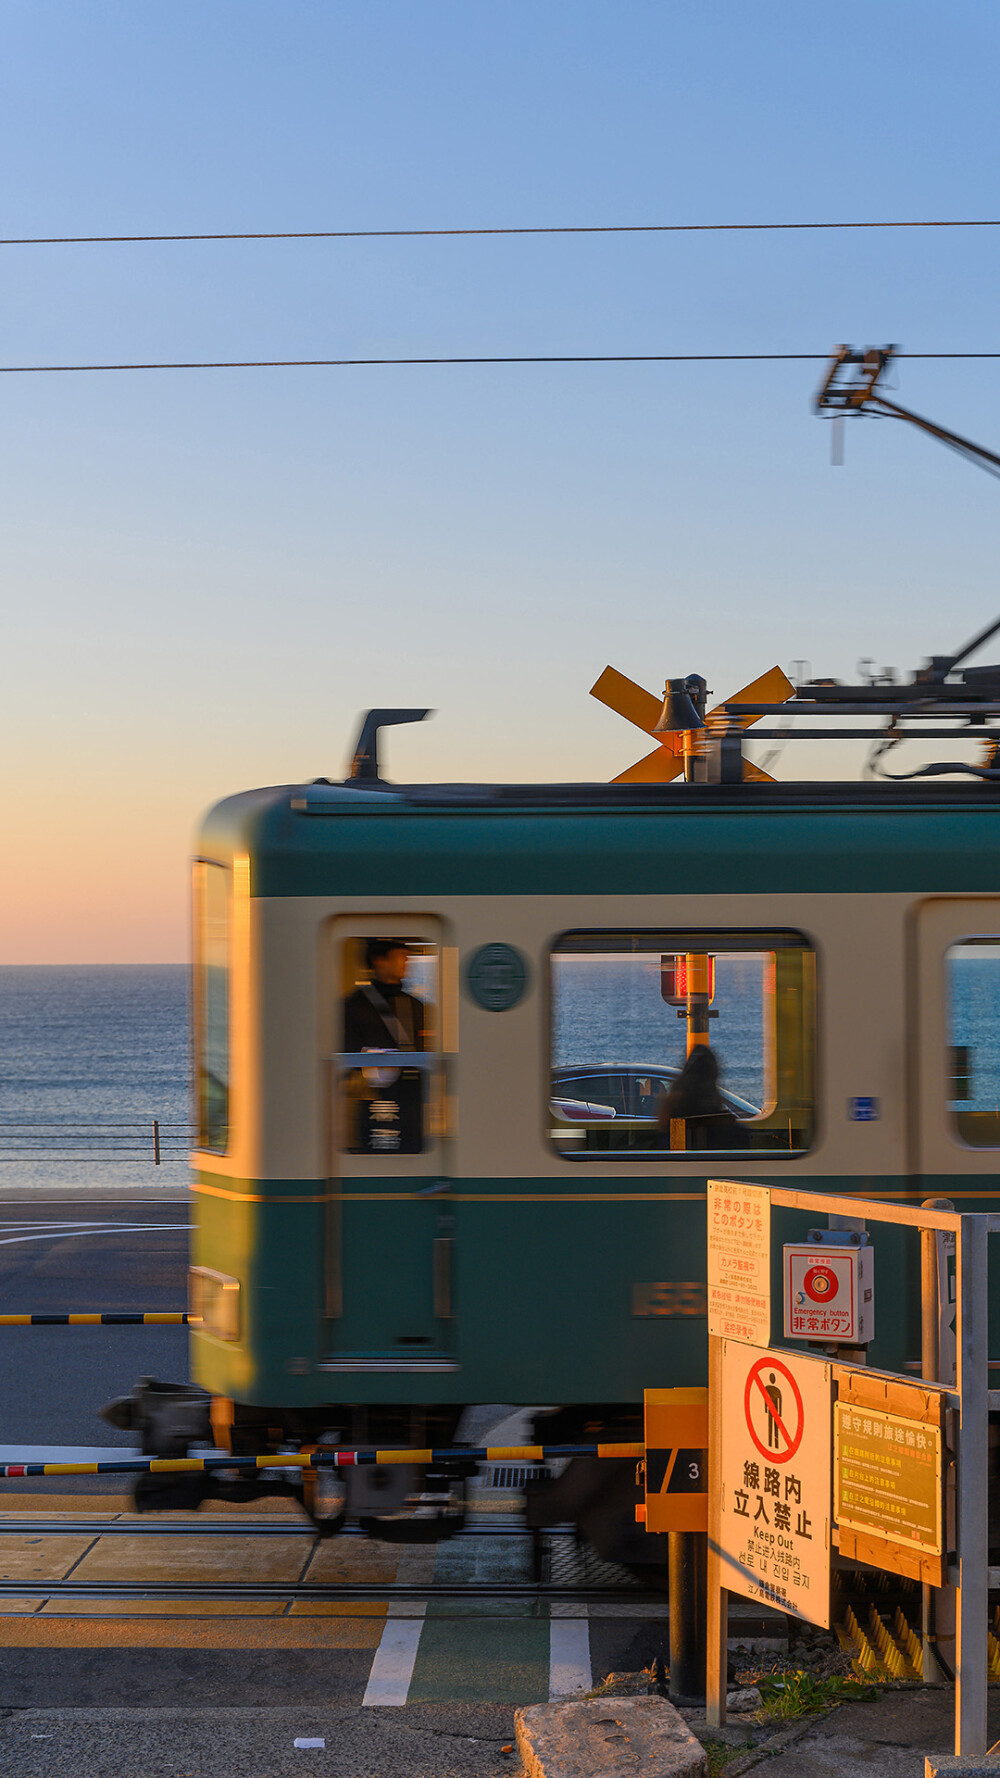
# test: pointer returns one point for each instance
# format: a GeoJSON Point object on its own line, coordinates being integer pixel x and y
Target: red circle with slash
{"type": "Point", "coordinates": [820, 1284]}
{"type": "Point", "coordinates": [786, 1439]}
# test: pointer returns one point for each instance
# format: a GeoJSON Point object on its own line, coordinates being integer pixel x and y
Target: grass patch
{"type": "Point", "coordinates": [719, 1755]}
{"type": "Point", "coordinates": [790, 1695]}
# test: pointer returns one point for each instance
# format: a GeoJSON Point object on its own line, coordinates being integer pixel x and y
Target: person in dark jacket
{"type": "Point", "coordinates": [694, 1098]}
{"type": "Point", "coordinates": [381, 1015]}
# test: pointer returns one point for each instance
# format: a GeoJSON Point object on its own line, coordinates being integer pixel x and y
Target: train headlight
{"type": "Point", "coordinates": [215, 1299]}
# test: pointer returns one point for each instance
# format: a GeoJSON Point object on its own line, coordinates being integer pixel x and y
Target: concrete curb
{"type": "Point", "coordinates": [602, 1738]}
{"type": "Point", "coordinates": [961, 1765]}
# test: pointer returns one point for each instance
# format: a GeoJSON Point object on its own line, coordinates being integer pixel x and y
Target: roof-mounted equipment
{"type": "Point", "coordinates": [365, 763]}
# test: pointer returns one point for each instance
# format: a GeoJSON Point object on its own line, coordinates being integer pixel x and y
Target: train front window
{"type": "Point", "coordinates": [972, 974]}
{"type": "Point", "coordinates": [678, 1042]}
{"type": "Point", "coordinates": [388, 1014]}
{"type": "Point", "coordinates": [210, 1001]}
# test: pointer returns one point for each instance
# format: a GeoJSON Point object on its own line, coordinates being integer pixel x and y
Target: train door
{"type": "Point", "coordinates": [954, 1046]}
{"type": "Point", "coordinates": [392, 1027]}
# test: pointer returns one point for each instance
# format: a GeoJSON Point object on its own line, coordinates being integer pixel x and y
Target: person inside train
{"type": "Point", "coordinates": [694, 1098]}
{"type": "Point", "coordinates": [381, 1015]}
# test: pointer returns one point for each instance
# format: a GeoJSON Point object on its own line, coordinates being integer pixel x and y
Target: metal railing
{"type": "Point", "coordinates": [152, 1138]}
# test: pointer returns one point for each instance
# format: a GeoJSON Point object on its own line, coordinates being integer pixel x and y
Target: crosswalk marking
{"type": "Point", "coordinates": [569, 1656]}
{"type": "Point", "coordinates": [395, 1659]}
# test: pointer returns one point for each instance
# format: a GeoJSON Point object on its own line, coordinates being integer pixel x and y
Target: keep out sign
{"type": "Point", "coordinates": [774, 1472]}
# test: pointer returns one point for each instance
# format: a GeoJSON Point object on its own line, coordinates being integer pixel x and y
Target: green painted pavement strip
{"type": "Point", "coordinates": [474, 1655]}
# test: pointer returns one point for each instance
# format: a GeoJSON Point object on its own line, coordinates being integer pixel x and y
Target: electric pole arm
{"type": "Point", "coordinates": [851, 387]}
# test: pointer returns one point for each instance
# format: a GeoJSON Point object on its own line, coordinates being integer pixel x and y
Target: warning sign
{"type": "Point", "coordinates": [828, 1293]}
{"type": "Point", "coordinates": [739, 1261]}
{"type": "Point", "coordinates": [774, 1475]}
{"type": "Point", "coordinates": [888, 1474]}
{"type": "Point", "coordinates": [772, 1406]}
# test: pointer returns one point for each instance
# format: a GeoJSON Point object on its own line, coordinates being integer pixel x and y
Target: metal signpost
{"type": "Point", "coordinates": [871, 1467]}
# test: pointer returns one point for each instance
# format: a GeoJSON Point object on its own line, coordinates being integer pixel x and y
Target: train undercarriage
{"type": "Point", "coordinates": [406, 1503]}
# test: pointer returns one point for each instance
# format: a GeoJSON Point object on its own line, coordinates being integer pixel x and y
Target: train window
{"type": "Point", "coordinates": [673, 1042]}
{"type": "Point", "coordinates": [972, 969]}
{"type": "Point", "coordinates": [211, 1005]}
{"type": "Point", "coordinates": [388, 1012]}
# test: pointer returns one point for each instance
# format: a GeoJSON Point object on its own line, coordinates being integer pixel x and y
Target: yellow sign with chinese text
{"type": "Point", "coordinates": [888, 1476]}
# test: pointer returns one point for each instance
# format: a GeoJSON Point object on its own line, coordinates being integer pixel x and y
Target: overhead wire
{"type": "Point", "coordinates": [583, 228]}
{"type": "Point", "coordinates": [536, 358]}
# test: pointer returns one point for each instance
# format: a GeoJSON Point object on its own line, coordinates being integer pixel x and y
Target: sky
{"type": "Point", "coordinates": [209, 575]}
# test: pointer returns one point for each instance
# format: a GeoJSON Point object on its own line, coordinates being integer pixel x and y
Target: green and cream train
{"type": "Point", "coordinates": [536, 1234]}
{"type": "Point", "coordinates": [532, 1230]}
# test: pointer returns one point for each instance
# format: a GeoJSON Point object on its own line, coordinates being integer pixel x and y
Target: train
{"type": "Point", "coordinates": [473, 1197]}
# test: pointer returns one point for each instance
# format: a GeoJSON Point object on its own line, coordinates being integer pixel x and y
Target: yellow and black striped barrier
{"type": "Point", "coordinates": [128, 1318]}
{"type": "Point", "coordinates": [314, 1459]}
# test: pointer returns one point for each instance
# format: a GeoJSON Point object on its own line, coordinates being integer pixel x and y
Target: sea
{"type": "Point", "coordinates": [92, 1056]}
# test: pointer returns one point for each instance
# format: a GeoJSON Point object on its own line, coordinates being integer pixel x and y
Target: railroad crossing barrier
{"type": "Point", "coordinates": [127, 1318]}
{"type": "Point", "coordinates": [320, 1459]}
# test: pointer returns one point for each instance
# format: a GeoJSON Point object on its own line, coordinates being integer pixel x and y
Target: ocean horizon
{"type": "Point", "coordinates": [92, 1054]}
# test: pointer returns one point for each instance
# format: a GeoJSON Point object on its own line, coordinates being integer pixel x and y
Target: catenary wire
{"type": "Point", "coordinates": [583, 228]}
{"type": "Point", "coordinates": [537, 358]}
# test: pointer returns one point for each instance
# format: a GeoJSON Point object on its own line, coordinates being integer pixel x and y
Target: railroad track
{"type": "Point", "coordinates": [297, 1527]}
{"type": "Point", "coordinates": [385, 1592]}
{"type": "Point", "coordinates": [571, 1572]}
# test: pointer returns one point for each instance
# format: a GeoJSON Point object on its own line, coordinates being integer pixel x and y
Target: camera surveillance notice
{"type": "Point", "coordinates": [739, 1261]}
{"type": "Point", "coordinates": [774, 1472]}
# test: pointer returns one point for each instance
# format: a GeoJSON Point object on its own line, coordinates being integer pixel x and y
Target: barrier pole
{"type": "Point", "coordinates": [930, 1356]}
{"type": "Point", "coordinates": [717, 1605]}
{"type": "Point", "coordinates": [688, 1658]}
{"type": "Point", "coordinates": [156, 1142]}
{"type": "Point", "coordinates": [972, 1603]}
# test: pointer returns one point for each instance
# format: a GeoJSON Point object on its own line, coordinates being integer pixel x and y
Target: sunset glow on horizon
{"type": "Point", "coordinates": [212, 574]}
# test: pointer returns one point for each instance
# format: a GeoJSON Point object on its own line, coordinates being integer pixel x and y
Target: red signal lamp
{"type": "Point", "coordinates": [674, 979]}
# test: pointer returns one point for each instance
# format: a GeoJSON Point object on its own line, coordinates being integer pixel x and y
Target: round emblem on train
{"type": "Point", "coordinates": [496, 977]}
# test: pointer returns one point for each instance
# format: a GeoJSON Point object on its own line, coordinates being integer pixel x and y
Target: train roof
{"type": "Point", "coordinates": [339, 839]}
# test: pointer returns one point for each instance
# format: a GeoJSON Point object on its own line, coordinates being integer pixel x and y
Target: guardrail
{"type": "Point", "coordinates": [155, 1138]}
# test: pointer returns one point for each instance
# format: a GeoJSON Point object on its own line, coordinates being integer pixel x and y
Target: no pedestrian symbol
{"type": "Point", "coordinates": [772, 1403]}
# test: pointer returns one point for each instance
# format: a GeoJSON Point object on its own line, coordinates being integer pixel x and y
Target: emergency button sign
{"type": "Point", "coordinates": [828, 1293]}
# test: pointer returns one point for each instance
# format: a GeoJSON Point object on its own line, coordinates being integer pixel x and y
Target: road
{"type": "Point", "coordinates": [94, 1251]}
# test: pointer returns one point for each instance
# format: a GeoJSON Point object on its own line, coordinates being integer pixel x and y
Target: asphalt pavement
{"type": "Point", "coordinates": [65, 1251]}
{"type": "Point", "coordinates": [423, 1741]}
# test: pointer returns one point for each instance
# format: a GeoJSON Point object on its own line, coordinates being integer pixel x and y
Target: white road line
{"type": "Point", "coordinates": [67, 1454]}
{"type": "Point", "coordinates": [91, 1222]}
{"type": "Point", "coordinates": [138, 1228]}
{"type": "Point", "coordinates": [569, 1657]}
{"type": "Point", "coordinates": [395, 1659]}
